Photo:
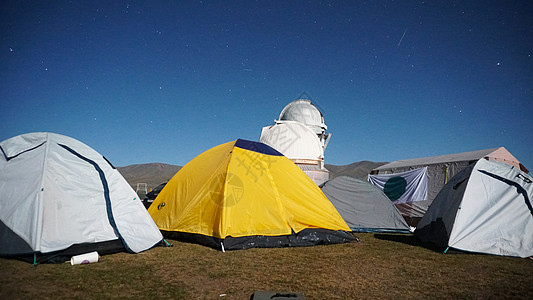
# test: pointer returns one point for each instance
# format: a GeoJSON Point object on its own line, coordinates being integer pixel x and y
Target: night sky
{"type": "Point", "coordinates": [163, 81]}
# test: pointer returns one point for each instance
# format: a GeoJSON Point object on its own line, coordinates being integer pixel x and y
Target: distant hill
{"type": "Point", "coordinates": [154, 174]}
{"type": "Point", "coordinates": [358, 170]}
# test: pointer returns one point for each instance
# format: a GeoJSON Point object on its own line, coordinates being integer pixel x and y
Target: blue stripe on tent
{"type": "Point", "coordinates": [110, 216]}
{"type": "Point", "coordinates": [519, 189]}
{"type": "Point", "coordinates": [257, 147]}
{"type": "Point", "coordinates": [110, 164]}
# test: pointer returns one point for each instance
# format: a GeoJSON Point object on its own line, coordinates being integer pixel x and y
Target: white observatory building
{"type": "Point", "coordinates": [300, 135]}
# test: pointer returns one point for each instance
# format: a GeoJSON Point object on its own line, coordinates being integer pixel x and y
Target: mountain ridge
{"type": "Point", "coordinates": [156, 173]}
{"type": "Point", "coordinates": [152, 174]}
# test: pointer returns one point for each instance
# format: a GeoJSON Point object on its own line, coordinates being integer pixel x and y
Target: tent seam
{"type": "Point", "coordinates": [224, 211]}
{"type": "Point", "coordinates": [40, 196]}
{"type": "Point", "coordinates": [107, 197]}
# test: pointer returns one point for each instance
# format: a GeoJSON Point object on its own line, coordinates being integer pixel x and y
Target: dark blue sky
{"type": "Point", "coordinates": [163, 81]}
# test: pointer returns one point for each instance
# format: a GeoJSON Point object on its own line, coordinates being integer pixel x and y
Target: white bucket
{"type": "Point", "coordinates": [86, 258]}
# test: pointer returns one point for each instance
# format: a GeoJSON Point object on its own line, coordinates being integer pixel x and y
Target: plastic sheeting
{"type": "Point", "coordinates": [404, 187]}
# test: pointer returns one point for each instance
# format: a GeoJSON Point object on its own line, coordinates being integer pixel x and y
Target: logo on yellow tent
{"type": "Point", "coordinates": [233, 187]}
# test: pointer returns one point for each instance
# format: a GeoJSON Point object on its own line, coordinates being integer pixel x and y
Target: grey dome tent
{"type": "Point", "coordinates": [62, 198]}
{"type": "Point", "coordinates": [485, 208]}
{"type": "Point", "coordinates": [364, 207]}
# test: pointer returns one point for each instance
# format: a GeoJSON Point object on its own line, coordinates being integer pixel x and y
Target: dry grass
{"type": "Point", "coordinates": [380, 266]}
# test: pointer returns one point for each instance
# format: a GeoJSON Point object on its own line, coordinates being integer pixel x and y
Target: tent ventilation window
{"type": "Point", "coordinates": [524, 178]}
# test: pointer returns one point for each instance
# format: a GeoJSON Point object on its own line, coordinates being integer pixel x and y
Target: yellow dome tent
{"type": "Point", "coordinates": [245, 194]}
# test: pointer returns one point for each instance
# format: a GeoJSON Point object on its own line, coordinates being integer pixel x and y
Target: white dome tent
{"type": "Point", "coordinates": [485, 208]}
{"type": "Point", "coordinates": [61, 198]}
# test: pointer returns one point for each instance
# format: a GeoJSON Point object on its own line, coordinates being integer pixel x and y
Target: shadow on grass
{"type": "Point", "coordinates": [408, 239]}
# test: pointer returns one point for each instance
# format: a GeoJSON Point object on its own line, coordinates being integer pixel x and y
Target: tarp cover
{"type": "Point", "coordinates": [485, 208]}
{"type": "Point", "coordinates": [58, 192]}
{"type": "Point", "coordinates": [408, 186]}
{"type": "Point", "coordinates": [363, 206]}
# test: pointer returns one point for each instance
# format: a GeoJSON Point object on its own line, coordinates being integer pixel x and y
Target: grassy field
{"type": "Point", "coordinates": [379, 266]}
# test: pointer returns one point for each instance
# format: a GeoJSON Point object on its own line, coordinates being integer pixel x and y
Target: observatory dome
{"type": "Point", "coordinates": [305, 112]}
{"type": "Point", "coordinates": [294, 140]}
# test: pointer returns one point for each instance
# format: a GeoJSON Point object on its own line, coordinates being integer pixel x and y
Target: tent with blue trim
{"type": "Point", "coordinates": [245, 194]}
{"type": "Point", "coordinates": [62, 198]}
{"type": "Point", "coordinates": [485, 208]}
